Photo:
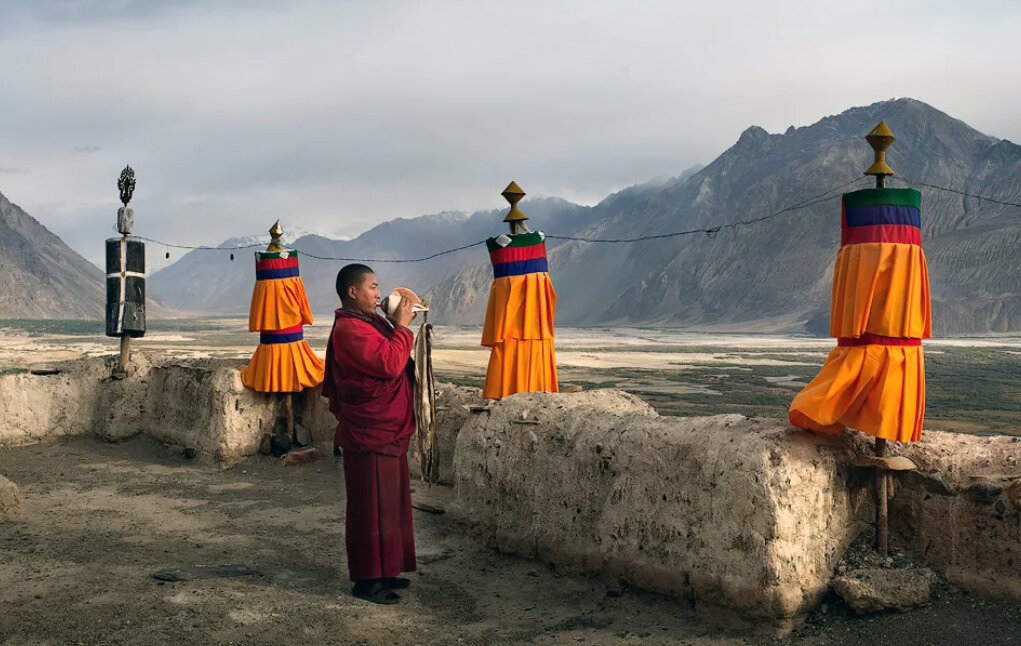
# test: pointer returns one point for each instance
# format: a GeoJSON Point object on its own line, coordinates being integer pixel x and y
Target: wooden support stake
{"type": "Point", "coordinates": [289, 410]}
{"type": "Point", "coordinates": [125, 351]}
{"type": "Point", "coordinates": [882, 500]}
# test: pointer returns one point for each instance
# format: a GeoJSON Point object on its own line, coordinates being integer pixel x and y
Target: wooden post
{"type": "Point", "coordinates": [125, 351]}
{"type": "Point", "coordinates": [882, 508]}
{"type": "Point", "coordinates": [289, 410]}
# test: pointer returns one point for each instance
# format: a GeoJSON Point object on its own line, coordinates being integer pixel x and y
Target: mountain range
{"type": "Point", "coordinates": [40, 276]}
{"type": "Point", "coordinates": [776, 274]}
{"type": "Point", "coordinates": [207, 280]}
{"type": "Point", "coordinates": [771, 275]}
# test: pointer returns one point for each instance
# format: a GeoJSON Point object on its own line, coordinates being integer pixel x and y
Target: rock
{"type": "Point", "coordinates": [10, 498]}
{"type": "Point", "coordinates": [279, 445]}
{"type": "Point", "coordinates": [932, 482]}
{"type": "Point", "coordinates": [984, 492]}
{"type": "Point", "coordinates": [302, 434]}
{"type": "Point", "coordinates": [303, 456]}
{"type": "Point", "coordinates": [206, 572]}
{"type": "Point", "coordinates": [877, 589]}
{"type": "Point", "coordinates": [1014, 496]}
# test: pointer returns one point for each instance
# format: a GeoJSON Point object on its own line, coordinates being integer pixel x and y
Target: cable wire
{"type": "Point", "coordinates": [709, 232]}
{"type": "Point", "coordinates": [712, 231]}
{"type": "Point", "coordinates": [435, 255]}
{"type": "Point", "coordinates": [954, 190]}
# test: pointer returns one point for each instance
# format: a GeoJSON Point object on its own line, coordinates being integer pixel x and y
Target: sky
{"type": "Point", "coordinates": [334, 116]}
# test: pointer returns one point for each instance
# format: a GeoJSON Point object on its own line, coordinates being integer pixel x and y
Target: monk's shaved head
{"type": "Point", "coordinates": [351, 276]}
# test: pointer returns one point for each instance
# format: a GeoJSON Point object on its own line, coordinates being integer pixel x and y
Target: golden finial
{"type": "Point", "coordinates": [880, 139]}
{"type": "Point", "coordinates": [275, 232]}
{"type": "Point", "coordinates": [513, 194]}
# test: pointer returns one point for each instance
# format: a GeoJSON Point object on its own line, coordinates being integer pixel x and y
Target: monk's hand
{"type": "Point", "coordinates": [403, 313]}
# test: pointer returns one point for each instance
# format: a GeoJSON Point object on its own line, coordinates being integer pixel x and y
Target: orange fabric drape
{"type": "Point", "coordinates": [521, 367]}
{"type": "Point", "coordinates": [877, 389]}
{"type": "Point", "coordinates": [278, 304]}
{"type": "Point", "coordinates": [874, 381]}
{"type": "Point", "coordinates": [520, 307]}
{"type": "Point", "coordinates": [881, 288]}
{"type": "Point", "coordinates": [283, 362]}
{"type": "Point", "coordinates": [283, 368]}
{"type": "Point", "coordinates": [519, 329]}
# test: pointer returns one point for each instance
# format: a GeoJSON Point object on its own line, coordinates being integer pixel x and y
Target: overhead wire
{"type": "Point", "coordinates": [947, 189]}
{"type": "Point", "coordinates": [710, 232]}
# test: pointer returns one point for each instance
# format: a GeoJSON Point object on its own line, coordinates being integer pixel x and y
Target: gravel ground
{"type": "Point", "coordinates": [98, 520]}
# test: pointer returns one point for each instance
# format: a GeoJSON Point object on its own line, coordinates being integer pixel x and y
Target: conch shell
{"type": "Point", "coordinates": [390, 303]}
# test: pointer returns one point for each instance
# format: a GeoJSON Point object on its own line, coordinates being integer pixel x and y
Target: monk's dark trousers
{"type": "Point", "coordinates": [379, 535]}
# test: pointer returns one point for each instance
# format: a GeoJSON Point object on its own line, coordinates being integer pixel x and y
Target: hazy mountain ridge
{"type": "Point", "coordinates": [186, 284]}
{"type": "Point", "coordinates": [40, 276]}
{"type": "Point", "coordinates": [781, 269]}
{"type": "Point", "coordinates": [774, 274]}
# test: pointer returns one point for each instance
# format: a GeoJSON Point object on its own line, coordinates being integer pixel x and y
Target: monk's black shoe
{"type": "Point", "coordinates": [397, 582]}
{"type": "Point", "coordinates": [375, 591]}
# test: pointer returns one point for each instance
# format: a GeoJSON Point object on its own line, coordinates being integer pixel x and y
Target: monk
{"type": "Point", "coordinates": [369, 382]}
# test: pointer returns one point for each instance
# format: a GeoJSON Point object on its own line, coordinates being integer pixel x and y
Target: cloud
{"type": "Point", "coordinates": [10, 170]}
{"type": "Point", "coordinates": [340, 115]}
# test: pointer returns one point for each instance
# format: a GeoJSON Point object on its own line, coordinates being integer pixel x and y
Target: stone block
{"type": "Point", "coordinates": [879, 589]}
{"type": "Point", "coordinates": [747, 514]}
{"type": "Point", "coordinates": [301, 456]}
{"type": "Point", "coordinates": [10, 499]}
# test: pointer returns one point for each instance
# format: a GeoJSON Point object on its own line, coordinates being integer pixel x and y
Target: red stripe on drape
{"type": "Point", "coordinates": [516, 254]}
{"type": "Point", "coordinates": [276, 263]}
{"type": "Point", "coordinates": [896, 233]}
{"type": "Point", "coordinates": [875, 339]}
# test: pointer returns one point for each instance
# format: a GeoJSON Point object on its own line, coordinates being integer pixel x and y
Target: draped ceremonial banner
{"type": "Point", "coordinates": [125, 287]}
{"type": "Point", "coordinates": [283, 362]}
{"type": "Point", "coordinates": [519, 317]}
{"type": "Point", "coordinates": [874, 380]}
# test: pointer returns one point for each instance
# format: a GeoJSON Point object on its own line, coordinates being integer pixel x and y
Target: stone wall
{"type": "Point", "coordinates": [200, 404]}
{"type": "Point", "coordinates": [742, 513]}
{"type": "Point", "coordinates": [39, 407]}
{"type": "Point", "coordinates": [962, 511]}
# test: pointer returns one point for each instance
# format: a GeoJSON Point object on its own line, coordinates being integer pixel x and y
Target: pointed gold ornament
{"type": "Point", "coordinates": [513, 194]}
{"type": "Point", "coordinates": [275, 231]}
{"type": "Point", "coordinates": [880, 139]}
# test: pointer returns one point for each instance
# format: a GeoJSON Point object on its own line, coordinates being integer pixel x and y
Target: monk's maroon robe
{"type": "Point", "coordinates": [369, 382]}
